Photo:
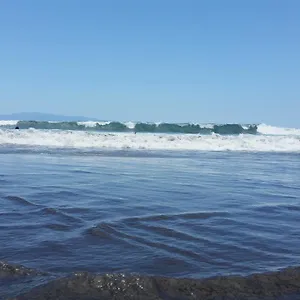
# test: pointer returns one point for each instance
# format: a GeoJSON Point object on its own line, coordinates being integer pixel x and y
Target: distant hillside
{"type": "Point", "coordinates": [33, 116]}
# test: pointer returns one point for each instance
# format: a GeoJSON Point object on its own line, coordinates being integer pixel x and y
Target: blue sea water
{"type": "Point", "coordinates": [188, 214]}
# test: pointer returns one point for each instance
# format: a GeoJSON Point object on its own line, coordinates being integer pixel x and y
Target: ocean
{"type": "Point", "coordinates": [137, 207]}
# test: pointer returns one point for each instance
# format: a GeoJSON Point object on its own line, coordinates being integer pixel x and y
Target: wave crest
{"type": "Point", "coordinates": [162, 127]}
{"type": "Point", "coordinates": [222, 129]}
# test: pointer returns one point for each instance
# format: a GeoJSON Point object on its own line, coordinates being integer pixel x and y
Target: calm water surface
{"type": "Point", "coordinates": [186, 214]}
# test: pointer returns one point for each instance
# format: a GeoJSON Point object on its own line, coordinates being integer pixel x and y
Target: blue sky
{"type": "Point", "coordinates": [152, 60]}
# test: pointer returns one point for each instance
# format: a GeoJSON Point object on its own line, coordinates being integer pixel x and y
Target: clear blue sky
{"type": "Point", "coordinates": [152, 60]}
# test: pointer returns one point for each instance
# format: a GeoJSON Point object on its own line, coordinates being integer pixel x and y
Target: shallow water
{"type": "Point", "coordinates": [183, 214]}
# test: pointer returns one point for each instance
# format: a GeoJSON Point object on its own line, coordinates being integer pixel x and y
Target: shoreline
{"type": "Point", "coordinates": [282, 284]}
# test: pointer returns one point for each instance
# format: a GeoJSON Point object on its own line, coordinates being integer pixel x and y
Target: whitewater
{"type": "Point", "coordinates": [97, 136]}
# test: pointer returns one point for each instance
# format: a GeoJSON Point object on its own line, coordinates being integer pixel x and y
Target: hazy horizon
{"type": "Point", "coordinates": [40, 116]}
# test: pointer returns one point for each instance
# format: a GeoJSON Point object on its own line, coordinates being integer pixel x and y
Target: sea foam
{"type": "Point", "coordinates": [147, 141]}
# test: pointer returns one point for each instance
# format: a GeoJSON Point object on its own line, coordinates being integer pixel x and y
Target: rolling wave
{"type": "Point", "coordinates": [91, 135]}
{"type": "Point", "coordinates": [189, 128]}
{"type": "Point", "coordinates": [223, 129]}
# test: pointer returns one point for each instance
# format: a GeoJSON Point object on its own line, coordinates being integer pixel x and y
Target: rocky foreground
{"type": "Point", "coordinates": [284, 284]}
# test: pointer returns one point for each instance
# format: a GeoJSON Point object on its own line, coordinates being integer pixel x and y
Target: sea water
{"type": "Point", "coordinates": [175, 205]}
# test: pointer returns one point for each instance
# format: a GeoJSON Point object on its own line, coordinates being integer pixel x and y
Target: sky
{"type": "Point", "coordinates": [217, 61]}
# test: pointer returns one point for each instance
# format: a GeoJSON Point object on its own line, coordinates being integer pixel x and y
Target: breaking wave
{"type": "Point", "coordinates": [273, 130]}
{"type": "Point", "coordinates": [189, 128]}
{"type": "Point", "coordinates": [91, 135]}
{"type": "Point", "coordinates": [223, 129]}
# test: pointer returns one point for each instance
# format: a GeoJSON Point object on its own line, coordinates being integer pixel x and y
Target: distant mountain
{"type": "Point", "coordinates": [34, 116]}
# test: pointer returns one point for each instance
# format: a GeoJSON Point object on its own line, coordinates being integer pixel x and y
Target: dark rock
{"type": "Point", "coordinates": [85, 286]}
{"type": "Point", "coordinates": [9, 271]}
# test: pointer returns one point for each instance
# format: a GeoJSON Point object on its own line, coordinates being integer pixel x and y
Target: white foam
{"type": "Point", "coordinates": [273, 130]}
{"type": "Point", "coordinates": [8, 122]}
{"type": "Point", "coordinates": [88, 123]}
{"type": "Point", "coordinates": [94, 140]}
{"type": "Point", "coordinates": [206, 125]}
{"type": "Point", "coordinates": [92, 123]}
{"type": "Point", "coordinates": [130, 125]}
